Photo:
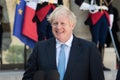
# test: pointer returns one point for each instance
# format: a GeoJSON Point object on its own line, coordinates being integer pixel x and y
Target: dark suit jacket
{"type": "Point", "coordinates": [84, 61]}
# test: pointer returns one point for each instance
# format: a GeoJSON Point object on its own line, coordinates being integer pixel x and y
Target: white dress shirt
{"type": "Point", "coordinates": [67, 49]}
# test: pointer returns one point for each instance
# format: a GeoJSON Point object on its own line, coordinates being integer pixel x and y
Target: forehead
{"type": "Point", "coordinates": [61, 16]}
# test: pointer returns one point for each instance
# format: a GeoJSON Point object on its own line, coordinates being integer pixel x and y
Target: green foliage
{"type": "Point", "coordinates": [15, 54]}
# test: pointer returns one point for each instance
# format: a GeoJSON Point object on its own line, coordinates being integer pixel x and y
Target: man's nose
{"type": "Point", "coordinates": [59, 26]}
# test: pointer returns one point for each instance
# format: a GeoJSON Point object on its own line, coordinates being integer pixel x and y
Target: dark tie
{"type": "Point", "coordinates": [61, 62]}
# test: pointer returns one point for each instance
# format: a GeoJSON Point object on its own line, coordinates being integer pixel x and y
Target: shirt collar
{"type": "Point", "coordinates": [68, 43]}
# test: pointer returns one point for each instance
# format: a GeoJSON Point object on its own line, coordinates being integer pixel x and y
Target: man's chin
{"type": "Point", "coordinates": [61, 39]}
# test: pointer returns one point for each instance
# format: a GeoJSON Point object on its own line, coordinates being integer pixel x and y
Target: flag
{"type": "Point", "coordinates": [18, 24]}
{"type": "Point", "coordinates": [30, 27]}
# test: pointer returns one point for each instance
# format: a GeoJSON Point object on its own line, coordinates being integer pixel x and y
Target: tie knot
{"type": "Point", "coordinates": [63, 46]}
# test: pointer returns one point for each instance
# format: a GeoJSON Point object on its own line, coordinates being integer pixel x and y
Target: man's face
{"type": "Point", "coordinates": [61, 28]}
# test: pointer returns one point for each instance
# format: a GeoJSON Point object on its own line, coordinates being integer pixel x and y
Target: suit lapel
{"type": "Point", "coordinates": [75, 49]}
{"type": "Point", "coordinates": [51, 53]}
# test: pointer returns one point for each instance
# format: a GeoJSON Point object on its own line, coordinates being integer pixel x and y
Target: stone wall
{"type": "Point", "coordinates": [81, 30]}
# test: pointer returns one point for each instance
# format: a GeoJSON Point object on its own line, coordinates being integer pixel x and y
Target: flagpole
{"type": "Point", "coordinates": [25, 56]}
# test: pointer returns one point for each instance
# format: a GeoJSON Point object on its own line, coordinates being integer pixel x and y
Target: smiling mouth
{"type": "Point", "coordinates": [59, 32]}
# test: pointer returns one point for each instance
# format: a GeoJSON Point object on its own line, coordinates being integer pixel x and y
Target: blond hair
{"type": "Point", "coordinates": [60, 10]}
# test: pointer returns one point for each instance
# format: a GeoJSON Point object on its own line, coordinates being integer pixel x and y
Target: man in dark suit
{"type": "Point", "coordinates": [82, 60]}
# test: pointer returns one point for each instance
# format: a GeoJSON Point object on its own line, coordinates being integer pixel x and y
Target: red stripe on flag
{"type": "Point", "coordinates": [29, 27]}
